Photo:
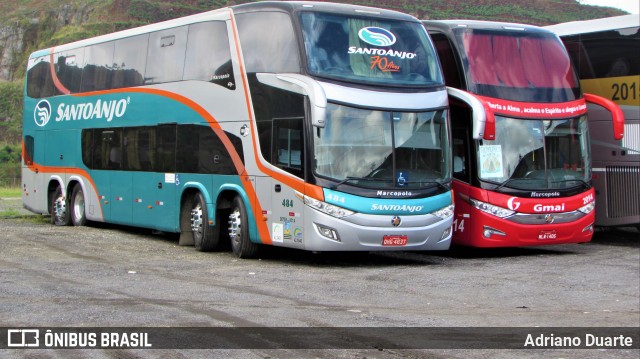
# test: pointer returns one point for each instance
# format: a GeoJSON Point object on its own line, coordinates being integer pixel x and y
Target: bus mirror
{"type": "Point", "coordinates": [484, 121]}
{"type": "Point", "coordinates": [302, 85]}
{"type": "Point", "coordinates": [616, 113]}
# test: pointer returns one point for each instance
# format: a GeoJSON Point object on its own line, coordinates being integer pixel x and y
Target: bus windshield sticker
{"type": "Point", "coordinates": [491, 161]}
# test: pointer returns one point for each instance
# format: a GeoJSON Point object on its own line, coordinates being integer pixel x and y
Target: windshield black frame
{"type": "Point", "coordinates": [527, 66]}
{"type": "Point", "coordinates": [536, 155]}
{"type": "Point", "coordinates": [377, 149]}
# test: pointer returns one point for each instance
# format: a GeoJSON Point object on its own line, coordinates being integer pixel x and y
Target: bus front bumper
{"type": "Point", "coordinates": [363, 232]}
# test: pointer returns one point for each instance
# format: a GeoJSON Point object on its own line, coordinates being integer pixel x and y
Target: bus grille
{"type": "Point", "coordinates": [623, 191]}
{"type": "Point", "coordinates": [631, 139]}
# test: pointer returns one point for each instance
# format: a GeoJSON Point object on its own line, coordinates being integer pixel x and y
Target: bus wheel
{"type": "Point", "coordinates": [239, 232]}
{"type": "Point", "coordinates": [59, 209]}
{"type": "Point", "coordinates": [205, 237]}
{"type": "Point", "coordinates": [78, 217]}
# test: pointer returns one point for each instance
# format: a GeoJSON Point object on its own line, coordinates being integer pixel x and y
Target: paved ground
{"type": "Point", "coordinates": [114, 276]}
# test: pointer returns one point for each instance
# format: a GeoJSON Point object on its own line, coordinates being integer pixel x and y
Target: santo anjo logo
{"type": "Point", "coordinates": [42, 113]}
{"type": "Point", "coordinates": [377, 36]}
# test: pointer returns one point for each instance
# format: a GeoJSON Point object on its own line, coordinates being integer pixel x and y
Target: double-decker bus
{"type": "Point", "coordinates": [523, 176]}
{"type": "Point", "coordinates": [606, 55]}
{"type": "Point", "coordinates": [307, 125]}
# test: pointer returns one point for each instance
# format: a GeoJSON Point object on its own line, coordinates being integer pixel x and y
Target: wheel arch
{"type": "Point", "coordinates": [55, 181]}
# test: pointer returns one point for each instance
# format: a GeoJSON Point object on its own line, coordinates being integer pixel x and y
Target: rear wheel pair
{"type": "Point", "coordinates": [208, 238]}
{"type": "Point", "coordinates": [65, 212]}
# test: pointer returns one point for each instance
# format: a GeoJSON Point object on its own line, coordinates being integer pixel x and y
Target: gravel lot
{"type": "Point", "coordinates": [103, 275]}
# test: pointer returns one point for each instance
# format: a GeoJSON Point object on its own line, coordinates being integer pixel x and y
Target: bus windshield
{"type": "Point", "coordinates": [517, 65]}
{"type": "Point", "coordinates": [536, 154]}
{"type": "Point", "coordinates": [369, 50]}
{"type": "Point", "coordinates": [382, 149]}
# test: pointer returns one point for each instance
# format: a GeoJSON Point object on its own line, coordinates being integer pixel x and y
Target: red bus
{"type": "Point", "coordinates": [522, 173]}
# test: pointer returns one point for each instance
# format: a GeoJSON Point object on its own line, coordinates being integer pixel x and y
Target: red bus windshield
{"type": "Point", "coordinates": [517, 65]}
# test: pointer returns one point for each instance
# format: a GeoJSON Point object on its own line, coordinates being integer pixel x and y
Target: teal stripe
{"type": "Point", "coordinates": [389, 206]}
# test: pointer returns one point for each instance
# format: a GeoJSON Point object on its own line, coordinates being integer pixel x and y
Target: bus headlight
{"type": "Point", "coordinates": [491, 209]}
{"type": "Point", "coordinates": [327, 208]}
{"type": "Point", "coordinates": [444, 213]}
{"type": "Point", "coordinates": [586, 209]}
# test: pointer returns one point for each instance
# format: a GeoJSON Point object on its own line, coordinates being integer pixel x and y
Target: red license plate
{"type": "Point", "coordinates": [547, 235]}
{"type": "Point", "coordinates": [394, 241]}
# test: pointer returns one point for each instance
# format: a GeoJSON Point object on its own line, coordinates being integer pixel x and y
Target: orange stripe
{"type": "Point", "coordinates": [77, 171]}
{"type": "Point", "coordinates": [215, 126]}
{"type": "Point", "coordinates": [289, 180]}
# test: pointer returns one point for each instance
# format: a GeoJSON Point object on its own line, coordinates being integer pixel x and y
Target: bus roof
{"type": "Point", "coordinates": [224, 13]}
{"type": "Point", "coordinates": [448, 25]}
{"type": "Point", "coordinates": [596, 25]}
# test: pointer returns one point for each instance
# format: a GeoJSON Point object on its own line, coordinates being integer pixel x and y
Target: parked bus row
{"type": "Point", "coordinates": [332, 130]}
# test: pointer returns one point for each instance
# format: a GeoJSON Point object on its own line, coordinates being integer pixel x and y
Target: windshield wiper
{"type": "Point", "coordinates": [503, 184]}
{"type": "Point", "coordinates": [581, 181]}
{"type": "Point", "coordinates": [349, 178]}
{"type": "Point", "coordinates": [439, 184]}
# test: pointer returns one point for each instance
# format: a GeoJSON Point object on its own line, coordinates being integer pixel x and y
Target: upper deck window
{"type": "Point", "coordinates": [268, 42]}
{"type": "Point", "coordinates": [369, 50]}
{"type": "Point", "coordinates": [517, 65]}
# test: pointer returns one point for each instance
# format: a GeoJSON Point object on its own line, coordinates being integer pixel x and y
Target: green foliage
{"type": "Point", "coordinates": [10, 112]}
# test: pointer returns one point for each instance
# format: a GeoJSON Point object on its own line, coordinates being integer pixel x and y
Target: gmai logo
{"type": "Point", "coordinates": [42, 113]}
{"type": "Point", "coordinates": [513, 205]}
{"type": "Point", "coordinates": [377, 36]}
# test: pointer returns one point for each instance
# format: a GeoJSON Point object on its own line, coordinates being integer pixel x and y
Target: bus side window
{"type": "Point", "coordinates": [98, 68]}
{"type": "Point", "coordinates": [460, 143]}
{"type": "Point", "coordinates": [165, 149]}
{"type": "Point", "coordinates": [165, 55]}
{"type": "Point", "coordinates": [87, 148]}
{"type": "Point", "coordinates": [139, 148]}
{"type": "Point", "coordinates": [288, 145]}
{"type": "Point", "coordinates": [129, 61]}
{"type": "Point", "coordinates": [268, 42]}
{"type": "Point", "coordinates": [29, 148]}
{"type": "Point", "coordinates": [208, 54]}
{"type": "Point", "coordinates": [39, 79]}
{"type": "Point", "coordinates": [107, 149]}
{"type": "Point", "coordinates": [68, 67]}
{"type": "Point", "coordinates": [447, 60]}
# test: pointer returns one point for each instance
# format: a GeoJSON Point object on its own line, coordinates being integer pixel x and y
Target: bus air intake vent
{"type": "Point", "coordinates": [623, 191]}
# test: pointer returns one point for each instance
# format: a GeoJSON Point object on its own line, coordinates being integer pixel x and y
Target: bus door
{"type": "Point", "coordinates": [153, 158]}
{"type": "Point", "coordinates": [287, 155]}
{"type": "Point", "coordinates": [462, 172]}
{"type": "Point", "coordinates": [112, 181]}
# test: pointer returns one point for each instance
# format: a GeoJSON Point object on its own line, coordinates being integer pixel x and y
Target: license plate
{"type": "Point", "coordinates": [545, 235]}
{"type": "Point", "coordinates": [394, 241]}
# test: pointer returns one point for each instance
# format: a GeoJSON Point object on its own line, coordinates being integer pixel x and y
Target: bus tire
{"type": "Point", "coordinates": [59, 208]}
{"type": "Point", "coordinates": [78, 217]}
{"type": "Point", "coordinates": [239, 232]}
{"type": "Point", "coordinates": [205, 237]}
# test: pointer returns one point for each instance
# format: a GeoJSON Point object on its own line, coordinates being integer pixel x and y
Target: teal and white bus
{"type": "Point", "coordinates": [316, 126]}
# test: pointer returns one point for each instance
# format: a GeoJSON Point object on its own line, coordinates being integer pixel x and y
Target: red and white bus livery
{"type": "Point", "coordinates": [520, 139]}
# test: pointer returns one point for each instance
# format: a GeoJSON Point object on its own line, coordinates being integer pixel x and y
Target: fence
{"type": "Point", "coordinates": [10, 181]}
